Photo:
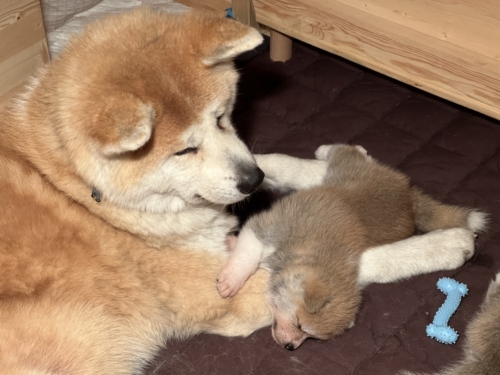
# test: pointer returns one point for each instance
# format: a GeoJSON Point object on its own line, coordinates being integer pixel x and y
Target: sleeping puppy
{"type": "Point", "coordinates": [313, 242]}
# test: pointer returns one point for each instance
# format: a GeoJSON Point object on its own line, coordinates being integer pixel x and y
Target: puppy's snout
{"type": "Point", "coordinates": [250, 179]}
{"type": "Point", "coordinates": [290, 346]}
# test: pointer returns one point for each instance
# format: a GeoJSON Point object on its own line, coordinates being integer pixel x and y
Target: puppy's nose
{"type": "Point", "coordinates": [289, 346]}
{"type": "Point", "coordinates": [250, 179]}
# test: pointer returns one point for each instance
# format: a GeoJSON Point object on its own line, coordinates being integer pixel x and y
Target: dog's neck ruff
{"type": "Point", "coordinates": [96, 194]}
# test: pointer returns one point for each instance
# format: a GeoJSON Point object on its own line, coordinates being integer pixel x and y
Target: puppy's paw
{"type": "Point", "coordinates": [229, 282]}
{"type": "Point", "coordinates": [457, 246]}
{"type": "Point", "coordinates": [323, 152]}
{"type": "Point", "coordinates": [363, 151]}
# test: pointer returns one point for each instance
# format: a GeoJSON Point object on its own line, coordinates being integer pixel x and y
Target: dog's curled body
{"type": "Point", "coordinates": [319, 235]}
{"type": "Point", "coordinates": [97, 288]}
{"type": "Point", "coordinates": [313, 242]}
{"type": "Point", "coordinates": [78, 296]}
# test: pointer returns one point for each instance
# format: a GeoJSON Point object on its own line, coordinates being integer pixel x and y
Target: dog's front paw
{"type": "Point", "coordinates": [229, 282]}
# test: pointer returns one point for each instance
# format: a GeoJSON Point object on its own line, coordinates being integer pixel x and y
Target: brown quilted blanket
{"type": "Point", "coordinates": [451, 153]}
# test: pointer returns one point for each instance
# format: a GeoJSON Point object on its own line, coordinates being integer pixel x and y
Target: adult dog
{"type": "Point", "coordinates": [135, 112]}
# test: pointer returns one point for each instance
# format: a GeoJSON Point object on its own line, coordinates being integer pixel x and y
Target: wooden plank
{"type": "Point", "coordinates": [18, 68]}
{"type": "Point", "coordinates": [449, 71]}
{"type": "Point", "coordinates": [13, 11]}
{"type": "Point", "coordinates": [26, 31]}
{"type": "Point", "coordinates": [472, 24]}
{"type": "Point", "coordinates": [23, 47]}
{"type": "Point", "coordinates": [243, 11]}
{"type": "Point", "coordinates": [4, 99]}
{"type": "Point", "coordinates": [218, 6]}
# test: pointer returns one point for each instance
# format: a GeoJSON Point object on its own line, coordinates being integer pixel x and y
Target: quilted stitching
{"type": "Point", "coordinates": [450, 152]}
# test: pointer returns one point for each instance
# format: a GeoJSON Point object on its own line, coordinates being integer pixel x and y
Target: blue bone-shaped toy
{"type": "Point", "coordinates": [439, 328]}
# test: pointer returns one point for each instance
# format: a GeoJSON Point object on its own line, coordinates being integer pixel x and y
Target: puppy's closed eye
{"type": "Point", "coordinates": [189, 150]}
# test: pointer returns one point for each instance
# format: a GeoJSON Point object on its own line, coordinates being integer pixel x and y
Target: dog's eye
{"type": "Point", "coordinates": [189, 150]}
{"type": "Point", "coordinates": [219, 122]}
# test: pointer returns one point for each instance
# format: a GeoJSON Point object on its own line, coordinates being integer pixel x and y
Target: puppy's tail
{"type": "Point", "coordinates": [431, 215]}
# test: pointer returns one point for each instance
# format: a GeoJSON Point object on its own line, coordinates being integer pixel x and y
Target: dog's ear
{"type": "Point", "coordinates": [316, 294]}
{"type": "Point", "coordinates": [220, 39]}
{"type": "Point", "coordinates": [122, 123]}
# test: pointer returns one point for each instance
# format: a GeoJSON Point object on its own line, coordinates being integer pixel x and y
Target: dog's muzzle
{"type": "Point", "coordinates": [250, 179]}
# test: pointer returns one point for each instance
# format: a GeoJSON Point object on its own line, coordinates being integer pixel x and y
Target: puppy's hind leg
{"type": "Point", "coordinates": [435, 251]}
{"type": "Point", "coordinates": [243, 262]}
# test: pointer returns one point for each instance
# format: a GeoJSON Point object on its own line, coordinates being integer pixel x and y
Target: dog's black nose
{"type": "Point", "coordinates": [289, 346]}
{"type": "Point", "coordinates": [250, 179]}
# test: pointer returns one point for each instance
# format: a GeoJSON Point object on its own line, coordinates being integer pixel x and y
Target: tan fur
{"type": "Point", "coordinates": [359, 201]}
{"type": "Point", "coordinates": [435, 215]}
{"type": "Point", "coordinates": [312, 242]}
{"type": "Point", "coordinates": [97, 288]}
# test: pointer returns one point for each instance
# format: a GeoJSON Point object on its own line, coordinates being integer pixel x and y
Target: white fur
{"type": "Point", "coordinates": [324, 151]}
{"type": "Point", "coordinates": [477, 221]}
{"type": "Point", "coordinates": [22, 99]}
{"type": "Point", "coordinates": [434, 251]}
{"type": "Point", "coordinates": [439, 250]}
{"type": "Point", "coordinates": [202, 227]}
{"type": "Point", "coordinates": [242, 263]}
{"type": "Point", "coordinates": [208, 176]}
{"type": "Point", "coordinates": [286, 173]}
{"type": "Point", "coordinates": [181, 200]}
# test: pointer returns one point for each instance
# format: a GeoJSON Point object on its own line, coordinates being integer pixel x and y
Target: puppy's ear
{"type": "Point", "coordinates": [122, 123]}
{"type": "Point", "coordinates": [220, 39]}
{"type": "Point", "coordinates": [316, 294]}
